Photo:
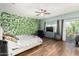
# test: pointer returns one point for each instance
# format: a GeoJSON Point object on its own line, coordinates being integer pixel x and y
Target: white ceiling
{"type": "Point", "coordinates": [28, 9]}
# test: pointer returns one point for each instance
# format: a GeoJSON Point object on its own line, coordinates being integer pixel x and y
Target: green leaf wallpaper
{"type": "Point", "coordinates": [18, 25]}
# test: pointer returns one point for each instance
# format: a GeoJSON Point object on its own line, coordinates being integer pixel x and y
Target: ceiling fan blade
{"type": "Point", "coordinates": [46, 13]}
{"type": "Point", "coordinates": [37, 12]}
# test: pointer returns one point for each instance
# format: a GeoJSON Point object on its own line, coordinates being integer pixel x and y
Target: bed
{"type": "Point", "coordinates": [24, 43]}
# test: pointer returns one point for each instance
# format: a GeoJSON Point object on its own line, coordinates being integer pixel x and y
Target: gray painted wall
{"type": "Point", "coordinates": [68, 16]}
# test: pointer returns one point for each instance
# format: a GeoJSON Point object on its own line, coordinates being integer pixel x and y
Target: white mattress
{"type": "Point", "coordinates": [25, 42]}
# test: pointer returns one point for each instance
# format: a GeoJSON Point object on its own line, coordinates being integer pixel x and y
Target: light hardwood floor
{"type": "Point", "coordinates": [52, 47]}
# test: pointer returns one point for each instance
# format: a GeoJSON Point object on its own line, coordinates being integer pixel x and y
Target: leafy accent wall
{"type": "Point", "coordinates": [18, 25]}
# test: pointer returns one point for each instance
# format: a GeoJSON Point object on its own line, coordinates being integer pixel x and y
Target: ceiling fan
{"type": "Point", "coordinates": [42, 11]}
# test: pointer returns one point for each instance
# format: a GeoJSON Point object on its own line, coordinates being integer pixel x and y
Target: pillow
{"type": "Point", "coordinates": [10, 37]}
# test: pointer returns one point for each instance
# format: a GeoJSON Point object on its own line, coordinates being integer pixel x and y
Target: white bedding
{"type": "Point", "coordinates": [25, 42]}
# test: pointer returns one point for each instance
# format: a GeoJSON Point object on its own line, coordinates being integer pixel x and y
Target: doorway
{"type": "Point", "coordinates": [71, 30]}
